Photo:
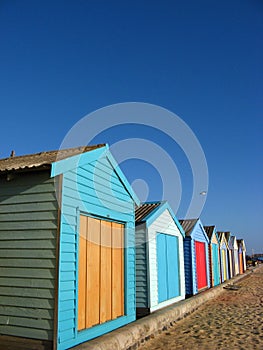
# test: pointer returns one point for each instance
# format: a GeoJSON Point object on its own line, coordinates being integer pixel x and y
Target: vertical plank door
{"type": "Point", "coordinates": [200, 265]}
{"type": "Point", "coordinates": [162, 267]}
{"type": "Point", "coordinates": [93, 273]}
{"type": "Point", "coordinates": [117, 255]}
{"type": "Point", "coordinates": [215, 264]}
{"type": "Point", "coordinates": [101, 272]}
{"type": "Point", "coordinates": [173, 274]}
{"type": "Point", "coordinates": [105, 272]}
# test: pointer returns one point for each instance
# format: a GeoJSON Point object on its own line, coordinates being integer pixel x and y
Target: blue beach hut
{"type": "Point", "coordinates": [196, 257]}
{"type": "Point", "coordinates": [67, 244]}
{"type": "Point", "coordinates": [214, 257]}
{"type": "Point", "coordinates": [159, 257]}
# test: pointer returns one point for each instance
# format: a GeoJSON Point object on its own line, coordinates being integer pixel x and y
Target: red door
{"type": "Point", "coordinates": [200, 265]}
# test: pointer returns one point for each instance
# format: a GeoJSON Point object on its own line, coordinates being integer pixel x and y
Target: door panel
{"type": "Point", "coordinates": [173, 266]}
{"type": "Point", "coordinates": [215, 264]}
{"type": "Point", "coordinates": [101, 271]}
{"type": "Point", "coordinates": [162, 268]}
{"type": "Point", "coordinates": [93, 273]}
{"type": "Point", "coordinates": [201, 265]}
{"type": "Point", "coordinates": [117, 270]}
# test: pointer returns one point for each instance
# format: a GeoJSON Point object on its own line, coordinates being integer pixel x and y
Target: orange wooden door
{"type": "Point", "coordinates": [101, 272]}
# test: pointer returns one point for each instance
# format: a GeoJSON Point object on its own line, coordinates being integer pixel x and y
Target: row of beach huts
{"type": "Point", "coordinates": [80, 255]}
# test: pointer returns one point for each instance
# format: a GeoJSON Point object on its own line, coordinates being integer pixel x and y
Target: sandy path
{"type": "Point", "coordinates": [234, 320]}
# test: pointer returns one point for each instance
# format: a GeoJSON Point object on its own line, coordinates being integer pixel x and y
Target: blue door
{"type": "Point", "coordinates": [168, 267]}
{"type": "Point", "coordinates": [162, 268]}
{"type": "Point", "coordinates": [215, 264]}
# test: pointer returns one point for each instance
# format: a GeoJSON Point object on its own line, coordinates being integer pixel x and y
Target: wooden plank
{"type": "Point", "coordinates": [29, 189]}
{"type": "Point", "coordinates": [27, 292]}
{"type": "Point", "coordinates": [27, 272]}
{"type": "Point", "coordinates": [27, 235]}
{"type": "Point", "coordinates": [42, 334]}
{"type": "Point", "coordinates": [82, 273]}
{"type": "Point", "coordinates": [15, 262]}
{"type": "Point", "coordinates": [27, 282]}
{"type": "Point", "coordinates": [93, 273]}
{"type": "Point", "coordinates": [117, 270]}
{"type": "Point", "coordinates": [28, 216]}
{"type": "Point", "coordinates": [27, 253]}
{"type": "Point", "coordinates": [29, 207]}
{"type": "Point", "coordinates": [29, 244]}
{"type": "Point", "coordinates": [28, 198]}
{"type": "Point", "coordinates": [27, 302]}
{"type": "Point", "coordinates": [26, 312]}
{"type": "Point", "coordinates": [25, 225]}
{"type": "Point", "coordinates": [29, 322]}
{"type": "Point", "coordinates": [105, 272]}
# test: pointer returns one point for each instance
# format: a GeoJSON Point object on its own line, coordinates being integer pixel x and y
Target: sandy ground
{"type": "Point", "coordinates": [234, 320]}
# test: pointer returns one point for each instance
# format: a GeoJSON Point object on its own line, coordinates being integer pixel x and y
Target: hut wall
{"type": "Point", "coordinates": [188, 265]}
{"type": "Point", "coordinates": [28, 231]}
{"type": "Point", "coordinates": [141, 267]}
{"type": "Point", "coordinates": [199, 235]}
{"type": "Point", "coordinates": [92, 188]}
{"type": "Point", "coordinates": [164, 224]}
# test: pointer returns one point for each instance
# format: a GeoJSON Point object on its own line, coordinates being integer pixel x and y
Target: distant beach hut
{"type": "Point", "coordinates": [214, 255]}
{"type": "Point", "coordinates": [223, 256]}
{"type": "Point", "coordinates": [67, 235]}
{"type": "Point", "coordinates": [230, 255]}
{"type": "Point", "coordinates": [159, 257]}
{"type": "Point", "coordinates": [233, 248]}
{"type": "Point", "coordinates": [196, 256]}
{"type": "Point", "coordinates": [242, 255]}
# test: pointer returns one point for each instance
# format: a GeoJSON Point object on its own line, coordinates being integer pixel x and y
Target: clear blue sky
{"type": "Point", "coordinates": [61, 60]}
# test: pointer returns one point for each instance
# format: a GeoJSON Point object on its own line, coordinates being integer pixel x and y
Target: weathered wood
{"type": "Point", "coordinates": [105, 273]}
{"type": "Point", "coordinates": [93, 273]}
{"type": "Point", "coordinates": [26, 282]}
{"type": "Point", "coordinates": [117, 270]}
{"type": "Point", "coordinates": [26, 312]}
{"type": "Point", "coordinates": [27, 292]}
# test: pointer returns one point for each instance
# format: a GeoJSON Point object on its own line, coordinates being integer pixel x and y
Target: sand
{"type": "Point", "coordinates": [233, 320]}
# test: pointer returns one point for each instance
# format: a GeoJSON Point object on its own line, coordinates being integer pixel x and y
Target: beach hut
{"type": "Point", "coordinates": [241, 255]}
{"type": "Point", "coordinates": [159, 257]}
{"type": "Point", "coordinates": [233, 248]}
{"type": "Point", "coordinates": [67, 246]}
{"type": "Point", "coordinates": [196, 257]}
{"type": "Point", "coordinates": [230, 255]}
{"type": "Point", "coordinates": [223, 246]}
{"type": "Point", "coordinates": [214, 256]}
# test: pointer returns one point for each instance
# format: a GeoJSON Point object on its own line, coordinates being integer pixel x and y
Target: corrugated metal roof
{"type": "Point", "coordinates": [209, 231]}
{"type": "Point", "coordinates": [144, 210]}
{"type": "Point", "coordinates": [42, 159]}
{"type": "Point", "coordinates": [188, 225]}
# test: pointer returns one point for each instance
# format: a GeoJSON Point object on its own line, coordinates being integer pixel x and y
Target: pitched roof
{"type": "Point", "coordinates": [227, 235]}
{"type": "Point", "coordinates": [188, 225]}
{"type": "Point", "coordinates": [220, 235]}
{"type": "Point", "coordinates": [209, 230]}
{"type": "Point", "coordinates": [144, 210]}
{"type": "Point", "coordinates": [42, 159]}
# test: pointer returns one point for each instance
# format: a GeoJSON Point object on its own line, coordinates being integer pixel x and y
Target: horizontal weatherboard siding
{"type": "Point", "coordinates": [28, 229]}
{"type": "Point", "coordinates": [92, 190]}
